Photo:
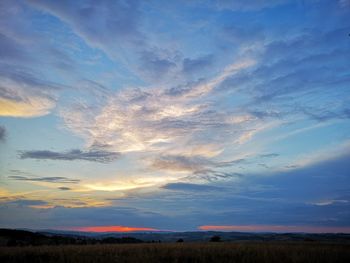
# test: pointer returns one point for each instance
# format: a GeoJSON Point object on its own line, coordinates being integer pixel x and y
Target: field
{"type": "Point", "coordinates": [268, 252]}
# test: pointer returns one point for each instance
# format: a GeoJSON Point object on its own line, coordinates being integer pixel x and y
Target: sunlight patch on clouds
{"type": "Point", "coordinates": [137, 183]}
{"type": "Point", "coordinates": [330, 202]}
{"type": "Point", "coordinates": [26, 108]}
{"type": "Point", "coordinates": [230, 70]}
{"type": "Point", "coordinates": [22, 95]}
{"type": "Point", "coordinates": [140, 120]}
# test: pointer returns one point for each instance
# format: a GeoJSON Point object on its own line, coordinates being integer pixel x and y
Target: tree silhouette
{"type": "Point", "coordinates": [215, 239]}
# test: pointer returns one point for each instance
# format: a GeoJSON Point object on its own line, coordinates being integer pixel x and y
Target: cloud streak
{"type": "Point", "coordinates": [53, 179]}
{"type": "Point", "coordinates": [190, 187]}
{"type": "Point", "coordinates": [278, 229]}
{"type": "Point", "coordinates": [91, 155]}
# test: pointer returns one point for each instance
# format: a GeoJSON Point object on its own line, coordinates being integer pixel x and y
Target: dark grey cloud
{"type": "Point", "coordinates": [91, 155]}
{"type": "Point", "coordinates": [182, 89]}
{"type": "Point", "coordinates": [25, 77]}
{"type": "Point", "coordinates": [2, 133]}
{"type": "Point", "coordinates": [323, 115]}
{"type": "Point", "coordinates": [189, 187]}
{"type": "Point", "coordinates": [53, 179]}
{"type": "Point", "coordinates": [214, 175]}
{"type": "Point", "coordinates": [155, 66]}
{"type": "Point", "coordinates": [10, 49]}
{"type": "Point", "coordinates": [64, 188]}
{"type": "Point", "coordinates": [195, 65]}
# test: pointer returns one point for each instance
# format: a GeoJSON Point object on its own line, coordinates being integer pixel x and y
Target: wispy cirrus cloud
{"type": "Point", "coordinates": [151, 120]}
{"type": "Point", "coordinates": [91, 155]}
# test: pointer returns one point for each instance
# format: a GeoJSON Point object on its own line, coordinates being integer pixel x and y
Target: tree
{"type": "Point", "coordinates": [215, 239]}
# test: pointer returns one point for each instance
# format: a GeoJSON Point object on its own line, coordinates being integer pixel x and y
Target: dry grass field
{"type": "Point", "coordinates": [181, 253]}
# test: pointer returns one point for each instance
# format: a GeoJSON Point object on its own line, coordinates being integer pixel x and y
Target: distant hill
{"type": "Point", "coordinates": [10, 237]}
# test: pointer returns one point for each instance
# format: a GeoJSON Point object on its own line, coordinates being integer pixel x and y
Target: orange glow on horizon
{"type": "Point", "coordinates": [112, 229]}
{"type": "Point", "coordinates": [274, 228]}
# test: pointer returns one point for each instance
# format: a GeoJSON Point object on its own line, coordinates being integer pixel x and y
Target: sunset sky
{"type": "Point", "coordinates": [175, 115]}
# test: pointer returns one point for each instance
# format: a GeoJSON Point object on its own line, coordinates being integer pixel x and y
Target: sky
{"type": "Point", "coordinates": [175, 115]}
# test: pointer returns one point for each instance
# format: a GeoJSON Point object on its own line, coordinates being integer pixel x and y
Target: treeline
{"type": "Point", "coordinates": [12, 238]}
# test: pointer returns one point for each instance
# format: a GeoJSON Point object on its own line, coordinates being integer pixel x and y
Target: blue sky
{"type": "Point", "coordinates": [175, 115]}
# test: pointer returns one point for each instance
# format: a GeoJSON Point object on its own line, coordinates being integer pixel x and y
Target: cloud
{"type": "Point", "coordinates": [24, 95]}
{"type": "Point", "coordinates": [330, 202]}
{"type": "Point", "coordinates": [28, 202]}
{"type": "Point", "coordinates": [278, 200]}
{"type": "Point", "coordinates": [64, 188]}
{"type": "Point", "coordinates": [154, 121]}
{"type": "Point", "coordinates": [292, 72]}
{"type": "Point", "coordinates": [2, 133]}
{"type": "Point", "coordinates": [122, 229]}
{"type": "Point", "coordinates": [91, 155]}
{"type": "Point", "coordinates": [66, 217]}
{"type": "Point", "coordinates": [180, 163]}
{"type": "Point", "coordinates": [191, 66]}
{"type": "Point", "coordinates": [213, 176]}
{"type": "Point", "coordinates": [195, 164]}
{"type": "Point", "coordinates": [344, 3]}
{"type": "Point", "coordinates": [55, 179]}
{"type": "Point", "coordinates": [10, 49]}
{"type": "Point", "coordinates": [190, 187]}
{"type": "Point", "coordinates": [108, 24]}
{"type": "Point", "coordinates": [190, 125]}
{"type": "Point", "coordinates": [253, 5]}
{"type": "Point", "coordinates": [154, 65]}
{"type": "Point", "coordinates": [114, 27]}
{"type": "Point", "coordinates": [269, 155]}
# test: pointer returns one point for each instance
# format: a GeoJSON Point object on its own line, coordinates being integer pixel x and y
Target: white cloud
{"type": "Point", "coordinates": [149, 119]}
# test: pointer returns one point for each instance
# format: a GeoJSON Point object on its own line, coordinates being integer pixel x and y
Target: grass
{"type": "Point", "coordinates": [181, 253]}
